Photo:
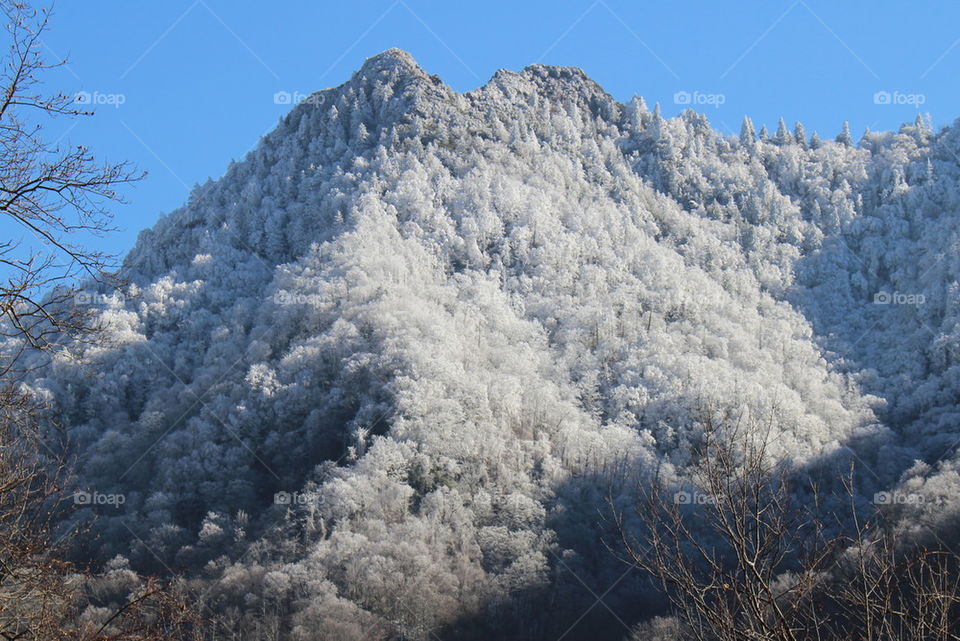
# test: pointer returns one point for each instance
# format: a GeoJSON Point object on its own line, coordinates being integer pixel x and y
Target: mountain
{"type": "Point", "coordinates": [380, 379]}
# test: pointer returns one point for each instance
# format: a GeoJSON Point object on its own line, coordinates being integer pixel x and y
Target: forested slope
{"type": "Point", "coordinates": [382, 376]}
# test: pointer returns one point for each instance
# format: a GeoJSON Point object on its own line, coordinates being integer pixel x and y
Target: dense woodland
{"type": "Point", "coordinates": [405, 371]}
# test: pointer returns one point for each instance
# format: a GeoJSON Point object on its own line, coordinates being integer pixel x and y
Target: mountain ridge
{"type": "Point", "coordinates": [448, 321]}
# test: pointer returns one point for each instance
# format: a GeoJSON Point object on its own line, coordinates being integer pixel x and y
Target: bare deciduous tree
{"type": "Point", "coordinates": [56, 197]}
{"type": "Point", "coordinates": [741, 558]}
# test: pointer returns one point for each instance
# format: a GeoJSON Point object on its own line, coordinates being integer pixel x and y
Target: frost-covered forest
{"type": "Point", "coordinates": [391, 374]}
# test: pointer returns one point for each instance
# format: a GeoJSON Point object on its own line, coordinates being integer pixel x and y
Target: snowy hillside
{"type": "Point", "coordinates": [381, 377]}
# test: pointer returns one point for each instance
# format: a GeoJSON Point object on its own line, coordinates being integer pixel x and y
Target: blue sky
{"type": "Point", "coordinates": [197, 78]}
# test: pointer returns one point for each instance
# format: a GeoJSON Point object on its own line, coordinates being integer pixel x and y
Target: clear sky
{"type": "Point", "coordinates": [197, 78]}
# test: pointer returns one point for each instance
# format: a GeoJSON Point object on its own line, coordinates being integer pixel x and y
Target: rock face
{"type": "Point", "coordinates": [380, 378]}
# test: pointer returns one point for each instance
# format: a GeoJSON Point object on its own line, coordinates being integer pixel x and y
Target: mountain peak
{"type": "Point", "coordinates": [561, 84]}
{"type": "Point", "coordinates": [392, 60]}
